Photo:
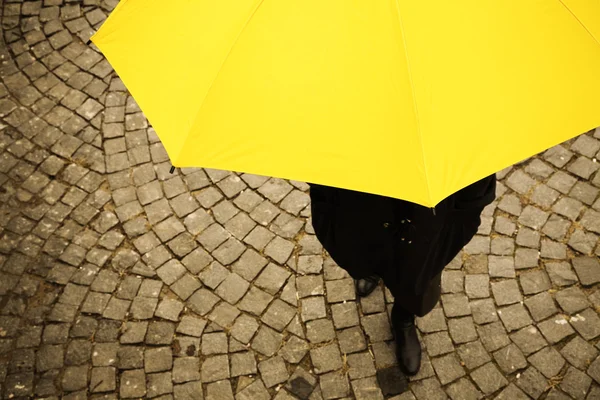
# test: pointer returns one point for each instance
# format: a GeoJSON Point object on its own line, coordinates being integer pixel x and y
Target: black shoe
{"type": "Point", "coordinates": [365, 286]}
{"type": "Point", "coordinates": [408, 348]}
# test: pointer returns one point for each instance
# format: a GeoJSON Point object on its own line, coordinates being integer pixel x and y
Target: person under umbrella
{"type": "Point", "coordinates": [404, 244]}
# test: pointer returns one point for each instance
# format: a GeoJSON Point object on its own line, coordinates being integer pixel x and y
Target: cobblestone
{"type": "Point", "coordinates": [120, 279]}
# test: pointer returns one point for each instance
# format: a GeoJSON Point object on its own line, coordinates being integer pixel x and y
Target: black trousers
{"type": "Point", "coordinates": [423, 303]}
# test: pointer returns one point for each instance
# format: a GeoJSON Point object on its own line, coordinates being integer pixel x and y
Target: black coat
{"type": "Point", "coordinates": [408, 245]}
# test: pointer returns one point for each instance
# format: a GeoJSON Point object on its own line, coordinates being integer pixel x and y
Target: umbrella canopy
{"type": "Point", "coordinates": [403, 98]}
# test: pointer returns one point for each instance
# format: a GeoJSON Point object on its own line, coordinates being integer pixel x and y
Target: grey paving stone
{"type": "Point", "coordinates": [132, 384]}
{"type": "Point", "coordinates": [360, 365]}
{"type": "Point", "coordinates": [594, 370]}
{"type": "Point", "coordinates": [351, 340]}
{"type": "Point", "coordinates": [267, 341]}
{"type": "Point", "coordinates": [278, 315]}
{"type": "Point", "coordinates": [202, 301]}
{"type": "Point", "coordinates": [243, 363]}
{"type": "Point", "coordinates": [344, 315]}
{"type": "Point", "coordinates": [272, 278]}
{"type": "Point", "coordinates": [213, 275]}
{"type": "Point", "coordinates": [548, 361]}
{"type": "Point", "coordinates": [587, 269]}
{"type": "Point", "coordinates": [544, 196]}
{"type": "Point", "coordinates": [185, 286]}
{"type": "Point", "coordinates": [555, 329]}
{"type": "Point", "coordinates": [528, 339]}
{"type": "Point", "coordinates": [463, 389]}
{"type": "Point", "coordinates": [310, 264]}
{"type": "Point", "coordinates": [249, 264]}
{"type": "Point", "coordinates": [255, 390]}
{"type": "Point", "coordinates": [579, 352]}
{"type": "Point", "coordinates": [214, 343]}
{"type": "Point", "coordinates": [510, 204]}
{"type": "Point", "coordinates": [160, 332]}
{"type": "Point", "coordinates": [185, 369]}
{"type": "Point", "coordinates": [448, 368]}
{"type": "Point", "coordinates": [477, 286]}
{"type": "Point", "coordinates": [340, 290]}
{"type": "Point", "coordinates": [512, 392]}
{"type": "Point", "coordinates": [583, 242]}
{"type": "Point", "coordinates": [143, 307]}
{"type": "Point", "coordinates": [478, 245]}
{"type": "Point", "coordinates": [377, 327]}
{"type": "Point", "coordinates": [528, 238]}
{"type": "Point", "coordinates": [158, 359]}
{"type": "Point", "coordinates": [510, 359]}
{"type": "Point", "coordinates": [434, 321]}
{"type": "Point", "coordinates": [591, 220]}
{"type": "Point", "coordinates": [244, 328]}
{"type": "Point", "coordinates": [428, 389]}
{"type": "Point", "coordinates": [583, 167]}
{"type": "Point", "coordinates": [587, 324]}
{"type": "Point", "coordinates": [326, 358]}
{"type": "Point", "coordinates": [215, 368]}
{"type": "Point", "coordinates": [229, 251]}
{"type": "Point", "coordinates": [438, 343]}
{"type": "Point", "coordinates": [309, 285]}
{"type": "Point", "coordinates": [556, 227]}
{"type": "Point", "coordinates": [489, 379]}
{"type": "Point", "coordinates": [313, 308]}
{"type": "Point", "coordinates": [514, 317]}
{"type": "Point", "coordinates": [533, 217]}
{"type": "Point", "coordinates": [576, 383]}
{"type": "Point", "coordinates": [301, 383]}
{"type": "Point", "coordinates": [47, 357]}
{"type": "Point", "coordinates": [255, 301]}
{"type": "Point", "coordinates": [561, 273]}
{"type": "Point", "coordinates": [452, 281]}
{"type": "Point", "coordinates": [506, 292]}
{"type": "Point", "coordinates": [534, 282]}
{"type": "Point", "coordinates": [134, 332]}
{"type": "Point", "coordinates": [294, 350]}
{"type": "Point", "coordinates": [484, 311]}
{"type": "Point", "coordinates": [456, 305]}
{"type": "Point", "coordinates": [572, 299]}
{"type": "Point", "coordinates": [366, 388]}
{"type": "Point", "coordinates": [493, 336]}
{"type": "Point", "coordinates": [103, 379]}
{"type": "Point", "coordinates": [504, 226]}
{"type": "Point", "coordinates": [186, 346]}
{"type": "Point", "coordinates": [585, 193]}
{"type": "Point", "coordinates": [541, 306]}
{"type": "Point", "coordinates": [501, 267]}
{"type": "Point", "coordinates": [532, 382]}
{"type": "Point", "coordinates": [273, 371]}
{"type": "Point", "coordinates": [130, 357]}
{"type": "Point", "coordinates": [334, 385]}
{"type": "Point", "coordinates": [224, 315]}
{"type": "Point", "coordinates": [319, 331]}
{"type": "Point", "coordinates": [462, 330]}
{"type": "Point", "coordinates": [233, 288]}
{"type": "Point", "coordinates": [264, 213]}
{"type": "Point", "coordinates": [553, 250]}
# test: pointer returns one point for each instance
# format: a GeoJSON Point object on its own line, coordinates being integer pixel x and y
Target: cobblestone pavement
{"type": "Point", "coordinates": [121, 280]}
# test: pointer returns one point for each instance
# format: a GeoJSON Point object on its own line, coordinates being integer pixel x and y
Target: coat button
{"type": "Point", "coordinates": [386, 225]}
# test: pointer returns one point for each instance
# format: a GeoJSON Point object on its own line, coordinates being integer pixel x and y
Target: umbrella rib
{"type": "Point", "coordinates": [416, 109]}
{"type": "Point", "coordinates": [260, 3]}
{"type": "Point", "coordinates": [597, 40]}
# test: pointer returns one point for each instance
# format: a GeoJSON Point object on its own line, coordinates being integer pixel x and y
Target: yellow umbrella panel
{"type": "Point", "coordinates": [408, 99]}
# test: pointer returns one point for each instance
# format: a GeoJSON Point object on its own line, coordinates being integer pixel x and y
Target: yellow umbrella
{"type": "Point", "coordinates": [403, 98]}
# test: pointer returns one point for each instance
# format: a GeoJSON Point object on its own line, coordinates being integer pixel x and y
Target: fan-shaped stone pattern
{"type": "Point", "coordinates": [121, 279]}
